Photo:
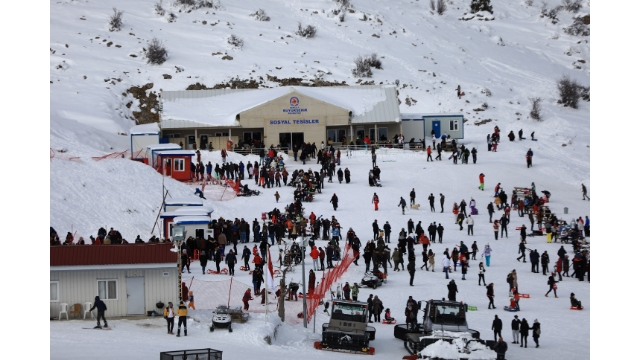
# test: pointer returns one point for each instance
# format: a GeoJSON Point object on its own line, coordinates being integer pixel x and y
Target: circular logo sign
{"type": "Point", "coordinates": [294, 101]}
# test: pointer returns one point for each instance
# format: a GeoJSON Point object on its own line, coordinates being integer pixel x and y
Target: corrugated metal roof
{"type": "Point", "coordinates": [75, 255]}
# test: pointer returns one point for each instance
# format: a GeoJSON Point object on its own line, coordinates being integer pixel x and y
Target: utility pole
{"type": "Point", "coordinates": [304, 274]}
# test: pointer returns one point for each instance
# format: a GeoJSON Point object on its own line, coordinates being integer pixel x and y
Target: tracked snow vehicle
{"type": "Point", "coordinates": [443, 321]}
{"type": "Point", "coordinates": [347, 330]}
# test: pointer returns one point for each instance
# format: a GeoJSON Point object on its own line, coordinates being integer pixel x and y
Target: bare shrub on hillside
{"type": "Point", "coordinates": [171, 17]}
{"type": "Point", "coordinates": [156, 53]}
{"type": "Point", "coordinates": [578, 28]}
{"type": "Point", "coordinates": [260, 15]}
{"type": "Point", "coordinates": [235, 41]}
{"type": "Point", "coordinates": [373, 61]}
{"type": "Point", "coordinates": [115, 20]}
{"type": "Point", "coordinates": [432, 5]}
{"type": "Point", "coordinates": [552, 14]}
{"type": "Point", "coordinates": [158, 8]}
{"type": "Point", "coordinates": [481, 5]}
{"type": "Point", "coordinates": [363, 68]}
{"type": "Point", "coordinates": [441, 7]}
{"type": "Point", "coordinates": [307, 32]}
{"type": "Point", "coordinates": [569, 91]}
{"type": "Point", "coordinates": [572, 5]}
{"type": "Point", "coordinates": [535, 108]}
{"type": "Point", "coordinates": [343, 3]}
{"type": "Point", "coordinates": [528, 2]}
{"type": "Point", "coordinates": [486, 92]}
{"type": "Point", "coordinates": [585, 93]}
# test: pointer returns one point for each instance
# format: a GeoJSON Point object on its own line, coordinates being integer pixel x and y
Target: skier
{"type": "Point", "coordinates": [182, 318]}
{"type": "Point", "coordinates": [102, 307]}
{"type": "Point", "coordinates": [481, 177]}
{"type": "Point", "coordinates": [402, 203]}
{"type": "Point", "coordinates": [375, 201]}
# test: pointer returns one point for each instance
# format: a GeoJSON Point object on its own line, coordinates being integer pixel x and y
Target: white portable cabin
{"type": "Point", "coordinates": [196, 226]}
{"type": "Point", "coordinates": [168, 217]}
{"type": "Point", "coordinates": [419, 126]}
{"type": "Point", "coordinates": [154, 149]}
{"type": "Point", "coordinates": [141, 136]}
{"type": "Point", "coordinates": [173, 204]}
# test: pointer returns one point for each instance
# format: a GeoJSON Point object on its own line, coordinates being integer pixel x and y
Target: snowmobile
{"type": "Point", "coordinates": [347, 330]}
{"type": "Point", "coordinates": [221, 318]}
{"type": "Point", "coordinates": [442, 320]}
{"type": "Point", "coordinates": [373, 279]}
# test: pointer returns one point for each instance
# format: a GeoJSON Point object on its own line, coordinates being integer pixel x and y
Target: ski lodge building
{"type": "Point", "coordinates": [287, 116]}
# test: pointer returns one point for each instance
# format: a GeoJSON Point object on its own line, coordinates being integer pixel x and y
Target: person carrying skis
{"type": "Point", "coordinates": [102, 307]}
{"type": "Point", "coordinates": [375, 201]}
{"type": "Point", "coordinates": [402, 203]}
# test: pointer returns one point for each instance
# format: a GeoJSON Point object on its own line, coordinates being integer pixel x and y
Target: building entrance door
{"type": "Point", "coordinates": [435, 125]}
{"type": "Point", "coordinates": [135, 296]}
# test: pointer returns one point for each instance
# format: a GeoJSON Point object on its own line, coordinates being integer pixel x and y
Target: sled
{"type": "Point", "coordinates": [213, 272]}
{"type": "Point", "coordinates": [388, 322]}
{"type": "Point", "coordinates": [524, 296]}
{"type": "Point", "coordinates": [243, 268]}
{"type": "Point", "coordinates": [571, 308]}
{"type": "Point", "coordinates": [506, 308]}
{"type": "Point", "coordinates": [472, 308]}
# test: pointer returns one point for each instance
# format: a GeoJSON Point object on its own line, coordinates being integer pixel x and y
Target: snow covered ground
{"type": "Point", "coordinates": [429, 55]}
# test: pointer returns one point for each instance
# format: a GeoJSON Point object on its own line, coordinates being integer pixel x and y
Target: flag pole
{"type": "Point", "coordinates": [266, 290]}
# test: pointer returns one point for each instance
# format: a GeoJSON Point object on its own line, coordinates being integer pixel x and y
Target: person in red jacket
{"type": "Point", "coordinates": [429, 158]}
{"type": "Point", "coordinates": [497, 190]}
{"type": "Point", "coordinates": [481, 177]}
{"type": "Point", "coordinates": [246, 298]}
{"type": "Point", "coordinates": [185, 292]}
{"type": "Point", "coordinates": [314, 255]}
{"type": "Point", "coordinates": [375, 201]}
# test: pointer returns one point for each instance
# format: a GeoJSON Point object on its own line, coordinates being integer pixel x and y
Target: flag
{"type": "Point", "coordinates": [269, 272]}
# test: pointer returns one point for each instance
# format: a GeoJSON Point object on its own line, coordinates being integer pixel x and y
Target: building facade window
{"type": "Point", "coordinates": [54, 291]}
{"type": "Point", "coordinates": [107, 289]}
{"type": "Point", "coordinates": [178, 164]}
{"type": "Point", "coordinates": [453, 125]}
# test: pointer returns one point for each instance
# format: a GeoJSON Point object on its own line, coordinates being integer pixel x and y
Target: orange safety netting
{"type": "Point", "coordinates": [115, 155]}
{"type": "Point", "coordinates": [328, 279]}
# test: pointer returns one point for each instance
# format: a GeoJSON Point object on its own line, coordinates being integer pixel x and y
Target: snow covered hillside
{"type": "Point", "coordinates": [515, 56]}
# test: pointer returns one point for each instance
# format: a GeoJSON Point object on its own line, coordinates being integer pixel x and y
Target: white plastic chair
{"type": "Point", "coordinates": [87, 306]}
{"type": "Point", "coordinates": [63, 310]}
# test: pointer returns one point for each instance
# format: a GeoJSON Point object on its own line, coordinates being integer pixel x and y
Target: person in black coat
{"type": "Point", "coordinates": [503, 226]}
{"type": "Point", "coordinates": [440, 230]}
{"type": "Point", "coordinates": [490, 295]}
{"type": "Point", "coordinates": [501, 348]}
{"type": "Point", "coordinates": [246, 256]}
{"type": "Point", "coordinates": [551, 282]}
{"type": "Point", "coordinates": [522, 248]}
{"type": "Point", "coordinates": [524, 332]}
{"type": "Point", "coordinates": [497, 328]}
{"type": "Point", "coordinates": [453, 289]}
{"type": "Point", "coordinates": [515, 329]}
{"type": "Point", "coordinates": [376, 229]}
{"type": "Point", "coordinates": [534, 257]}
{"type": "Point", "coordinates": [535, 331]}
{"type": "Point", "coordinates": [231, 261]}
{"type": "Point", "coordinates": [102, 307]}
{"type": "Point", "coordinates": [334, 201]}
{"type": "Point", "coordinates": [203, 261]}
{"type": "Point", "coordinates": [411, 268]}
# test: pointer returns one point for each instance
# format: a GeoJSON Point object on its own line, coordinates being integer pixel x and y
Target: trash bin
{"type": "Point", "coordinates": [566, 210]}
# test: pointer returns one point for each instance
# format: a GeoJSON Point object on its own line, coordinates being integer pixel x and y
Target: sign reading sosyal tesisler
{"type": "Point", "coordinates": [294, 122]}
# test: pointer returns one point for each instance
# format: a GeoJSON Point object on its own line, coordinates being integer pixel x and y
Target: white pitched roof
{"type": "Point", "coordinates": [193, 108]}
{"type": "Point", "coordinates": [184, 201]}
{"type": "Point", "coordinates": [145, 129]}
